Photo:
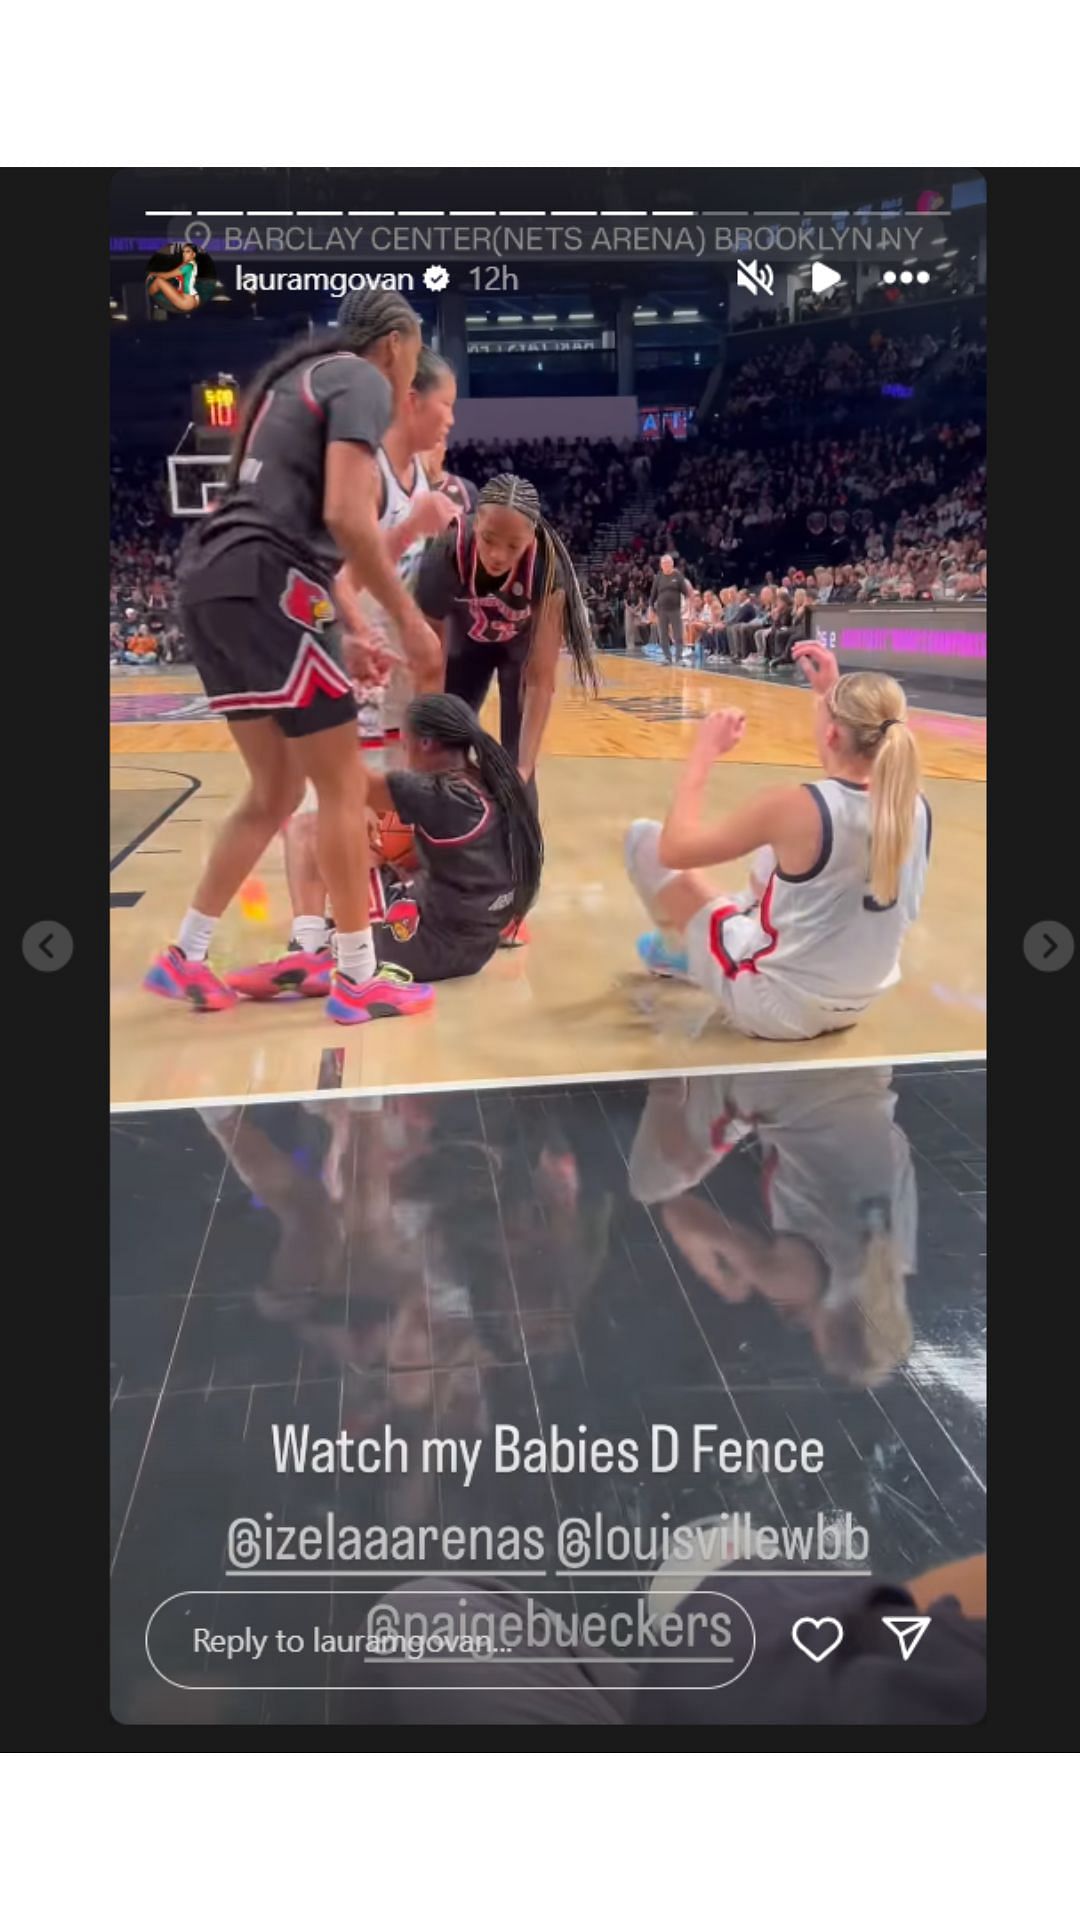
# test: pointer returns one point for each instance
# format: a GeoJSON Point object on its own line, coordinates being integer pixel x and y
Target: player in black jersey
{"type": "Point", "coordinates": [478, 842]}
{"type": "Point", "coordinates": [501, 591]}
{"type": "Point", "coordinates": [256, 592]}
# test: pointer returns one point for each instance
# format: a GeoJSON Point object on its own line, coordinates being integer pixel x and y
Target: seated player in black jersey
{"type": "Point", "coordinates": [479, 847]}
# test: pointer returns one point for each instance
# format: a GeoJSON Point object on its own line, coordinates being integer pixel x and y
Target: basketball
{"type": "Point", "coordinates": [398, 843]}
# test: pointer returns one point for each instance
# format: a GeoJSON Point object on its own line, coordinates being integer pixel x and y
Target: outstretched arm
{"type": "Point", "coordinates": [350, 511]}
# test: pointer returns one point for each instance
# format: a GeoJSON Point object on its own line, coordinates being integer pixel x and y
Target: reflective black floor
{"type": "Point", "coordinates": [777, 1256]}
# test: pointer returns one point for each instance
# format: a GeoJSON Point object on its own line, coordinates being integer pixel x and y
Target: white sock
{"type": "Point", "coordinates": [643, 862]}
{"type": "Point", "coordinates": [355, 955]}
{"type": "Point", "coordinates": [196, 933]}
{"type": "Point", "coordinates": [311, 932]}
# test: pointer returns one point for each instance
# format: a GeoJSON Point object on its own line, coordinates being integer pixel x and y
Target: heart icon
{"type": "Point", "coordinates": [817, 1638]}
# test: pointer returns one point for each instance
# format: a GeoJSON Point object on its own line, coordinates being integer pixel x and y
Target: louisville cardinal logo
{"type": "Point", "coordinates": [306, 602]}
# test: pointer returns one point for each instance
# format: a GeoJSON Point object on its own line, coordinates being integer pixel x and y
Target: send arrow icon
{"type": "Point", "coordinates": [908, 1628]}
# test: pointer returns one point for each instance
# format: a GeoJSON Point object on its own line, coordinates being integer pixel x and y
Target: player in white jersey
{"type": "Point", "coordinates": [411, 513]}
{"type": "Point", "coordinates": [832, 1238]}
{"type": "Point", "coordinates": [837, 876]}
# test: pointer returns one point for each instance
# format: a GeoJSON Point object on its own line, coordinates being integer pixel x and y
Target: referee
{"type": "Point", "coordinates": [666, 598]}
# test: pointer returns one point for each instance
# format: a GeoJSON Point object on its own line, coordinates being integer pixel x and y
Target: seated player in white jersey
{"type": "Point", "coordinates": [825, 1231]}
{"type": "Point", "coordinates": [411, 512]}
{"type": "Point", "coordinates": [837, 876]}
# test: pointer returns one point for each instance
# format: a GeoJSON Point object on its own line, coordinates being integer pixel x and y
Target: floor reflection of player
{"type": "Point", "coordinates": [395, 1263]}
{"type": "Point", "coordinates": [256, 594]}
{"type": "Point", "coordinates": [838, 1240]}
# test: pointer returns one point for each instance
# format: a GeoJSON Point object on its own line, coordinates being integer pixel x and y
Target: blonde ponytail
{"type": "Point", "coordinates": [864, 1339]}
{"type": "Point", "coordinates": [872, 709]}
{"type": "Point", "coordinates": [894, 789]}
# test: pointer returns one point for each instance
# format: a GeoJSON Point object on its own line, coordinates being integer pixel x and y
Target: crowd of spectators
{"type": "Point", "coordinates": [144, 541]}
{"type": "Point", "coordinates": [761, 624]}
{"type": "Point", "coordinates": [728, 510]}
{"type": "Point", "coordinates": [855, 511]}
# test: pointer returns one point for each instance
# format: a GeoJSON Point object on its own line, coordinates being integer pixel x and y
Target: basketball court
{"type": "Point", "coordinates": [575, 1001]}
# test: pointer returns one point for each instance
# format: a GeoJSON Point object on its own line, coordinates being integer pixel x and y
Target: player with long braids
{"type": "Point", "coordinates": [256, 594]}
{"type": "Point", "coordinates": [500, 589]}
{"type": "Point", "coordinates": [410, 513]}
{"type": "Point", "coordinates": [479, 846]}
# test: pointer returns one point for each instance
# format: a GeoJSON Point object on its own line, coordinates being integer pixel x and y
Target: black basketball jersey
{"type": "Point", "coordinates": [461, 844]}
{"type": "Point", "coordinates": [279, 498]}
{"type": "Point", "coordinates": [452, 586]}
{"type": "Point", "coordinates": [459, 491]}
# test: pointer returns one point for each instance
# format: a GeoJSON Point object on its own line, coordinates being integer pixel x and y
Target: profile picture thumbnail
{"type": "Point", "coordinates": [181, 279]}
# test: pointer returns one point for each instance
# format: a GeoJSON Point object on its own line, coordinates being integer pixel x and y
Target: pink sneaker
{"type": "Point", "coordinates": [175, 977]}
{"type": "Point", "coordinates": [391, 990]}
{"type": "Point", "coordinates": [296, 972]}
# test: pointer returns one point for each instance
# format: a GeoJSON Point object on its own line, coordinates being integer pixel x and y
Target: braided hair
{"type": "Point", "coordinates": [520, 496]}
{"type": "Point", "coordinates": [449, 723]}
{"type": "Point", "coordinates": [364, 316]}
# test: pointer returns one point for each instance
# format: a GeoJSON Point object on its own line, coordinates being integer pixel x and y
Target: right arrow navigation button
{"type": "Point", "coordinates": [1048, 946]}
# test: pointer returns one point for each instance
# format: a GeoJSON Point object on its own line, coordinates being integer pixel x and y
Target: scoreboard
{"type": "Point", "coordinates": [215, 411]}
{"type": "Point", "coordinates": [934, 640]}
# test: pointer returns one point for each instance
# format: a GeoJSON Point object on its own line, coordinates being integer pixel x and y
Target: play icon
{"type": "Point", "coordinates": [908, 1628]}
{"type": "Point", "coordinates": [822, 277]}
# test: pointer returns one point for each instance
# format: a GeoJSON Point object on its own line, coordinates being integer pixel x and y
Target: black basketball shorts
{"type": "Point", "coordinates": [264, 638]}
{"type": "Point", "coordinates": [432, 950]}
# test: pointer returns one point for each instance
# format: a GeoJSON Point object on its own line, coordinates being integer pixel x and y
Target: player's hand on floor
{"type": "Point", "coordinates": [719, 732]}
{"type": "Point", "coordinates": [819, 664]}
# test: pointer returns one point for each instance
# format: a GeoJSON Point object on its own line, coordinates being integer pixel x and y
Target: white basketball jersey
{"type": "Point", "coordinates": [383, 708]}
{"type": "Point", "coordinates": [837, 1167]}
{"type": "Point", "coordinates": [822, 932]}
{"type": "Point", "coordinates": [397, 505]}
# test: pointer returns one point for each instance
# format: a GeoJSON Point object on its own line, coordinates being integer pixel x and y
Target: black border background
{"type": "Point", "coordinates": [57, 408]}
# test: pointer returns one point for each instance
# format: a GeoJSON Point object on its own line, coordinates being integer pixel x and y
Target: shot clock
{"type": "Point", "coordinates": [216, 408]}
